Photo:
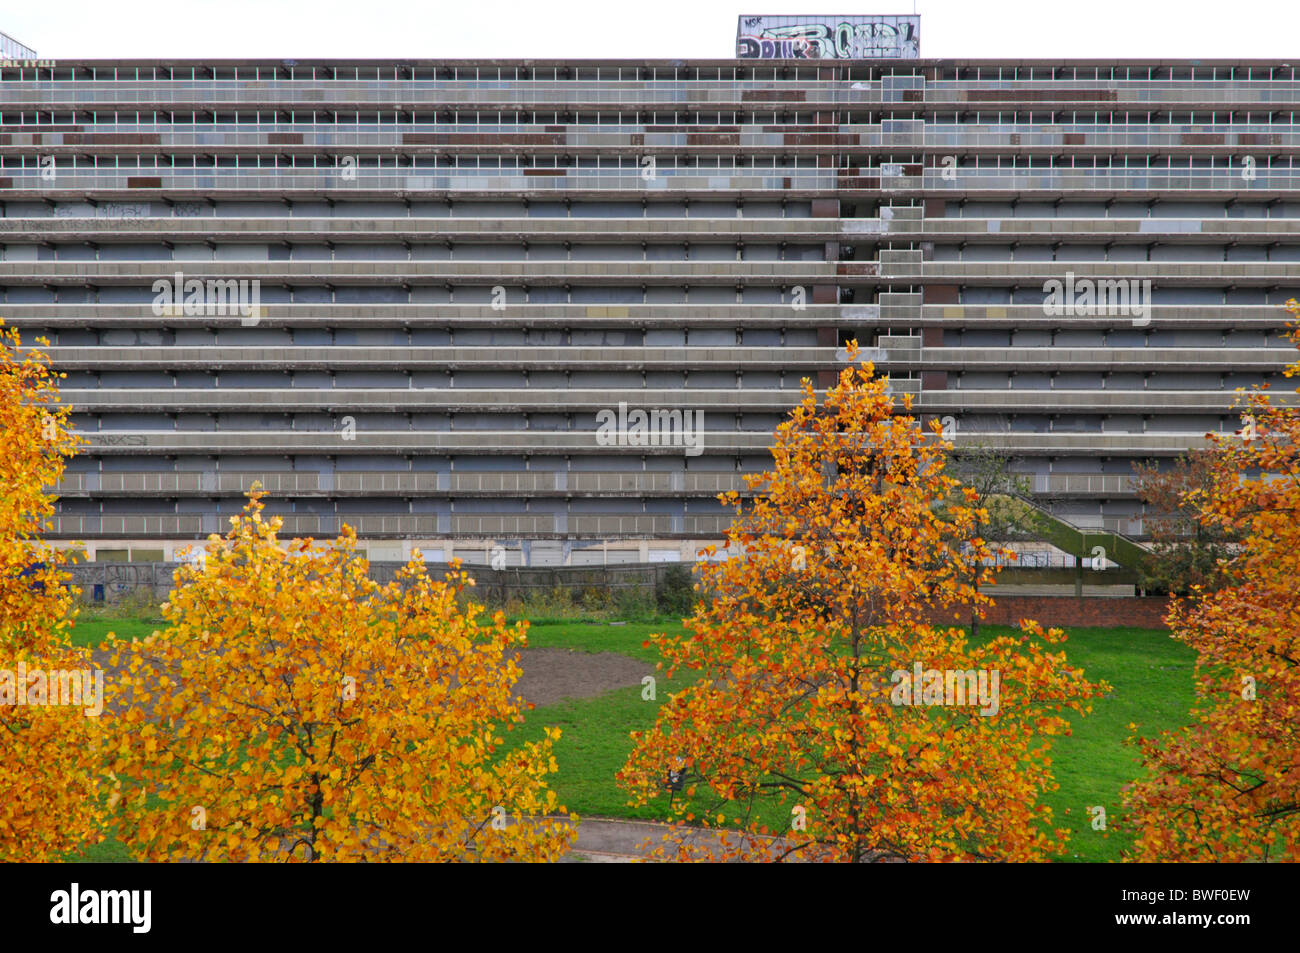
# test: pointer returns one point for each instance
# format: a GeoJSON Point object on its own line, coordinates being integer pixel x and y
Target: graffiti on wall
{"type": "Point", "coordinates": [828, 38]}
{"type": "Point", "coordinates": [113, 582]}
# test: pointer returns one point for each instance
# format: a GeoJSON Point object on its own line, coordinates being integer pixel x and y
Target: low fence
{"type": "Point", "coordinates": [114, 582]}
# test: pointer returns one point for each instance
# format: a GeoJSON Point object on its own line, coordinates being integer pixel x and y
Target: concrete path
{"type": "Point", "coordinates": [607, 840]}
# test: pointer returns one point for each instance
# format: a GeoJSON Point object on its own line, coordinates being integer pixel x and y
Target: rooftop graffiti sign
{"type": "Point", "coordinates": [828, 38]}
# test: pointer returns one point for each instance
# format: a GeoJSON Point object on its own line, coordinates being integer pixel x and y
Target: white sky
{"type": "Point", "coordinates": [546, 29]}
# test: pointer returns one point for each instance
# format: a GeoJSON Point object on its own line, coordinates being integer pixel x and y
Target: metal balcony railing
{"type": "Point", "coordinates": [427, 483]}
{"type": "Point", "coordinates": [414, 92]}
{"type": "Point", "coordinates": [542, 136]}
{"type": "Point", "coordinates": [665, 180]}
{"type": "Point", "coordinates": [491, 180]}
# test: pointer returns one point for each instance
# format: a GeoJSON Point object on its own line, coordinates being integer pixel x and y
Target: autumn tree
{"type": "Point", "coordinates": [802, 729]}
{"type": "Point", "coordinates": [295, 709]}
{"type": "Point", "coordinates": [47, 774]}
{"type": "Point", "coordinates": [1227, 787]}
{"type": "Point", "coordinates": [35, 444]}
{"type": "Point", "coordinates": [1185, 550]}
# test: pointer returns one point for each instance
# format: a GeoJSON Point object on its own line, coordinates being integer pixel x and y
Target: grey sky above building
{"type": "Point", "coordinates": [663, 28]}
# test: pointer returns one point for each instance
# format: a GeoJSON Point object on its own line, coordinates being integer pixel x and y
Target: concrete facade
{"type": "Point", "coordinates": [419, 284]}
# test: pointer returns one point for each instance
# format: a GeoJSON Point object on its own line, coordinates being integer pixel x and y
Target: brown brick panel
{"type": "Point", "coordinates": [861, 269]}
{"type": "Point", "coordinates": [821, 139]}
{"type": "Point", "coordinates": [1259, 139]}
{"type": "Point", "coordinates": [1141, 612]}
{"type": "Point", "coordinates": [144, 182]}
{"type": "Point", "coordinates": [774, 95]}
{"type": "Point", "coordinates": [712, 139]}
{"type": "Point", "coordinates": [284, 138]}
{"type": "Point", "coordinates": [481, 139]}
{"type": "Point", "coordinates": [113, 139]}
{"type": "Point", "coordinates": [940, 294]}
{"type": "Point", "coordinates": [694, 129]}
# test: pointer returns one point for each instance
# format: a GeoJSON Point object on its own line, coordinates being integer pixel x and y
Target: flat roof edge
{"type": "Point", "coordinates": [549, 63]}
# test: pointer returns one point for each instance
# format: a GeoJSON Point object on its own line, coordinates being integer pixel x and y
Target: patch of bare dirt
{"type": "Point", "coordinates": [552, 675]}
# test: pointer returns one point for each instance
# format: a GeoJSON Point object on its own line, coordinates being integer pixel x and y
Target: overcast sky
{"type": "Point", "coordinates": [633, 28]}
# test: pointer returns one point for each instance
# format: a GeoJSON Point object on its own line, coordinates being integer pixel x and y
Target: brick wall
{"type": "Point", "coordinates": [1143, 612]}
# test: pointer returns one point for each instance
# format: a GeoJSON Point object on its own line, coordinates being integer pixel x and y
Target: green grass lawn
{"type": "Point", "coordinates": [89, 633]}
{"type": "Point", "coordinates": [1152, 678]}
{"type": "Point", "coordinates": [1150, 673]}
